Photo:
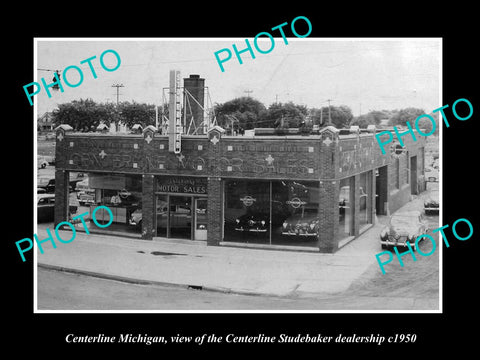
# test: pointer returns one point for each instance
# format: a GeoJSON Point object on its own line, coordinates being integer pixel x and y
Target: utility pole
{"type": "Point", "coordinates": [248, 92]}
{"type": "Point", "coordinates": [329, 113]}
{"type": "Point", "coordinates": [118, 86]}
{"type": "Point", "coordinates": [117, 125]}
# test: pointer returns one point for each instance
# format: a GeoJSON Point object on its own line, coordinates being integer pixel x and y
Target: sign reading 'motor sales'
{"type": "Point", "coordinates": [182, 185]}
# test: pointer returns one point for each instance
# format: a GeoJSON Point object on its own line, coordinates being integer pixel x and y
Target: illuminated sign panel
{"type": "Point", "coordinates": [174, 114]}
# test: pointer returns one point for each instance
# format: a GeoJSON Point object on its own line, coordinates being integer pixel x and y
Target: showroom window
{"type": "Point", "coordinates": [271, 212]}
{"type": "Point", "coordinates": [122, 194]}
{"type": "Point", "coordinates": [345, 208]}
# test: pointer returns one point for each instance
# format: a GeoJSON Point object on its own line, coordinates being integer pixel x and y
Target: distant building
{"type": "Point", "coordinates": [45, 122]}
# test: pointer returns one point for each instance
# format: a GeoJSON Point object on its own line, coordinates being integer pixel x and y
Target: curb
{"type": "Point", "coordinates": [129, 280]}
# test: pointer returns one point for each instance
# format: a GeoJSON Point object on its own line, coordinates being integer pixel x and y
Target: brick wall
{"type": "Point", "coordinates": [326, 158]}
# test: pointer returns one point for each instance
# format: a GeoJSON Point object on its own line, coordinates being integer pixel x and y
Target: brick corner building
{"type": "Point", "coordinates": [315, 191]}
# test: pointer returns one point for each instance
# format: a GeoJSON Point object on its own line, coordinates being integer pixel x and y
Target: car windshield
{"type": "Point", "coordinates": [302, 212]}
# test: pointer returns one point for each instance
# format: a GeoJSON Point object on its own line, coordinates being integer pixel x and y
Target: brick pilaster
{"type": "Point", "coordinates": [328, 216]}
{"type": "Point", "coordinates": [148, 207]}
{"type": "Point", "coordinates": [61, 196]}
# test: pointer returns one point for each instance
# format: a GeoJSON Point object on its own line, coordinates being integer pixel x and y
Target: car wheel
{"type": "Point", "coordinates": [384, 246]}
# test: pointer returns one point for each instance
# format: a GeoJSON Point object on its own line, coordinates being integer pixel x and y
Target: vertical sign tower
{"type": "Point", "coordinates": [174, 114]}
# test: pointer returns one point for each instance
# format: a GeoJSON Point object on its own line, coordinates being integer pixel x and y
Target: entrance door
{"type": "Point", "coordinates": [200, 227]}
{"type": "Point", "coordinates": [162, 215]}
{"type": "Point", "coordinates": [180, 217]}
{"type": "Point", "coordinates": [381, 189]}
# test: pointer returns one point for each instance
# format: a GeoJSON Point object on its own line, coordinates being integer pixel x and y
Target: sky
{"type": "Point", "coordinates": [364, 74]}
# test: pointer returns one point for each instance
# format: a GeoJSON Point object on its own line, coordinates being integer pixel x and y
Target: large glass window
{"type": "Point", "coordinates": [247, 211]}
{"type": "Point", "coordinates": [345, 208]}
{"type": "Point", "coordinates": [365, 196]}
{"type": "Point", "coordinates": [295, 213]}
{"type": "Point", "coordinates": [271, 212]}
{"type": "Point", "coordinates": [122, 194]}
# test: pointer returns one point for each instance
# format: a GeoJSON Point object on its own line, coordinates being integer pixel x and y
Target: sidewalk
{"type": "Point", "coordinates": [220, 268]}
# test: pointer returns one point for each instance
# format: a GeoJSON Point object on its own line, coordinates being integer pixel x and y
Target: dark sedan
{"type": "Point", "coordinates": [304, 222]}
{"type": "Point", "coordinates": [403, 229]}
{"type": "Point", "coordinates": [45, 207]}
{"type": "Point", "coordinates": [253, 221]}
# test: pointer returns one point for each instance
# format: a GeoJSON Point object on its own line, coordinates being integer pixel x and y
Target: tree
{"type": "Point", "coordinates": [341, 116]}
{"type": "Point", "coordinates": [246, 110]}
{"type": "Point", "coordinates": [410, 114]}
{"type": "Point", "coordinates": [135, 113]}
{"type": "Point", "coordinates": [83, 115]}
{"type": "Point", "coordinates": [86, 115]}
{"type": "Point", "coordinates": [284, 115]}
{"type": "Point", "coordinates": [371, 118]}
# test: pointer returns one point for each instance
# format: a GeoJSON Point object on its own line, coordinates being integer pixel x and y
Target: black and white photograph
{"type": "Point", "coordinates": [256, 183]}
{"type": "Point", "coordinates": [274, 182]}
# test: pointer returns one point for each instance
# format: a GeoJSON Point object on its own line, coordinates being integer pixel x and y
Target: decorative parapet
{"type": "Point", "coordinates": [329, 134]}
{"type": "Point", "coordinates": [215, 134]}
{"type": "Point", "coordinates": [60, 131]}
{"type": "Point", "coordinates": [149, 133]}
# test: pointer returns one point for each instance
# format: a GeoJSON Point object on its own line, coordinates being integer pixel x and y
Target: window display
{"type": "Point", "coordinates": [271, 212]}
{"type": "Point", "coordinates": [122, 194]}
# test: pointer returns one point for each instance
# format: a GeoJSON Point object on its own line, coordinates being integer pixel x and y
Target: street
{"type": "Point", "coordinates": [412, 287]}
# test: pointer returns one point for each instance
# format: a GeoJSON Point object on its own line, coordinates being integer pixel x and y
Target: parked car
{"type": "Point", "coordinates": [431, 202]}
{"type": "Point", "coordinates": [46, 183]}
{"type": "Point", "coordinates": [304, 222]}
{"type": "Point", "coordinates": [403, 227]}
{"type": "Point", "coordinates": [431, 174]}
{"type": "Point", "coordinates": [86, 197]}
{"type": "Point", "coordinates": [45, 207]}
{"type": "Point", "coordinates": [42, 163]}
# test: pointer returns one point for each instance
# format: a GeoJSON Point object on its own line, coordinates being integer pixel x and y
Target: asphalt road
{"type": "Point", "coordinates": [415, 286]}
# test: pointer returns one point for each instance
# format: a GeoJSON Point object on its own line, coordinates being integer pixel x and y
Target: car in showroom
{"type": "Point", "coordinates": [253, 221]}
{"type": "Point", "coordinates": [303, 222]}
{"type": "Point", "coordinates": [431, 203]}
{"type": "Point", "coordinates": [403, 228]}
{"type": "Point", "coordinates": [257, 218]}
